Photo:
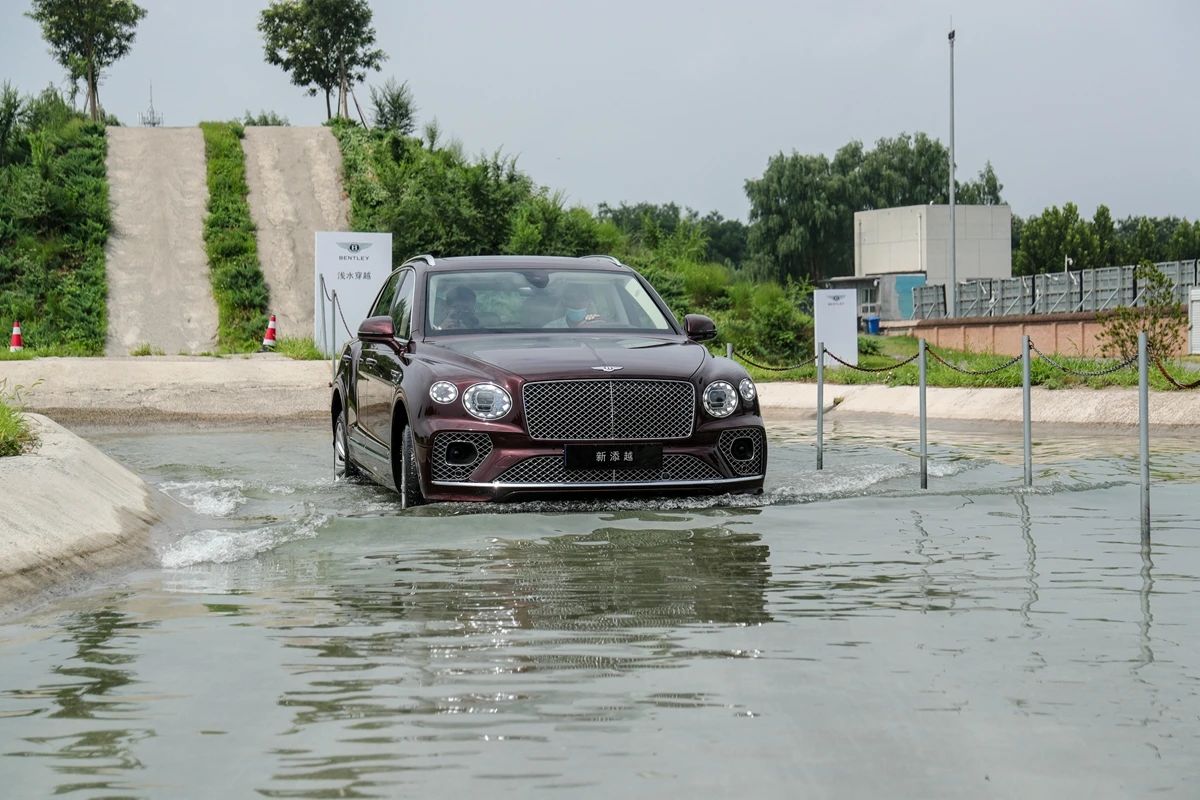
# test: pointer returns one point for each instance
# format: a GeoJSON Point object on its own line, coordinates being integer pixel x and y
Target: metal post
{"type": "Point", "coordinates": [729, 350]}
{"type": "Point", "coordinates": [952, 283]}
{"type": "Point", "coordinates": [1026, 411]}
{"type": "Point", "coordinates": [924, 444]}
{"type": "Point", "coordinates": [820, 405]}
{"type": "Point", "coordinates": [1144, 428]}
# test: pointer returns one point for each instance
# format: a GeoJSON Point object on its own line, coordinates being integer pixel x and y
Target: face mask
{"type": "Point", "coordinates": [576, 315]}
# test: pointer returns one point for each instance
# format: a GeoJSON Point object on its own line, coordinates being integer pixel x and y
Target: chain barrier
{"type": "Point", "coordinates": [745, 360]}
{"type": "Point", "coordinates": [1080, 372]}
{"type": "Point", "coordinates": [888, 368]}
{"type": "Point", "coordinates": [337, 304]}
{"type": "Point", "coordinates": [965, 371]}
{"type": "Point", "coordinates": [1171, 379]}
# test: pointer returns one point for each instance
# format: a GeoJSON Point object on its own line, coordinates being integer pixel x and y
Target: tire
{"type": "Point", "coordinates": [408, 483]}
{"type": "Point", "coordinates": [343, 466]}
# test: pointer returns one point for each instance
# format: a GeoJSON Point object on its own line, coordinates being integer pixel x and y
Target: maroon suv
{"type": "Point", "coordinates": [489, 377]}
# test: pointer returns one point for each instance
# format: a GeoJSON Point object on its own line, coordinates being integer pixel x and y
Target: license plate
{"type": "Point", "coordinates": [612, 456]}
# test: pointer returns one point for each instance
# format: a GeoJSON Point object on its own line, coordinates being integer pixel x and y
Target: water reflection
{"type": "Point", "coordinates": [466, 644]}
{"type": "Point", "coordinates": [98, 756]}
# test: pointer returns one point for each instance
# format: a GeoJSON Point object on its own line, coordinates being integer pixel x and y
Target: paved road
{"type": "Point", "coordinates": [159, 291]}
{"type": "Point", "coordinates": [295, 183]}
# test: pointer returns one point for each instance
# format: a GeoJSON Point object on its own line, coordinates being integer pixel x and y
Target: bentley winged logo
{"type": "Point", "coordinates": [608, 368]}
{"type": "Point", "coordinates": [354, 247]}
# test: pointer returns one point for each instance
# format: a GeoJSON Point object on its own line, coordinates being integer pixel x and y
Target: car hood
{"type": "Point", "coordinates": [545, 356]}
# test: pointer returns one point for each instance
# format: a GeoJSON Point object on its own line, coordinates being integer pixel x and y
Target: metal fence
{"type": "Point", "coordinates": [1099, 289]}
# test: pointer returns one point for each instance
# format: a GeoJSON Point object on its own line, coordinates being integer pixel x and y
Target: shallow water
{"type": "Point", "coordinates": [844, 634]}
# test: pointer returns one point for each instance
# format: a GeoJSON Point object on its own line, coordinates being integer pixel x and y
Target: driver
{"type": "Point", "coordinates": [576, 302]}
{"type": "Point", "coordinates": [461, 301]}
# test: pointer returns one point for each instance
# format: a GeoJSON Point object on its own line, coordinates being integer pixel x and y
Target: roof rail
{"type": "Point", "coordinates": [428, 259]}
{"type": "Point", "coordinates": [606, 257]}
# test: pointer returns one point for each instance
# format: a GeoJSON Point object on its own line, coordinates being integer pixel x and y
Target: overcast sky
{"type": "Point", "coordinates": [661, 100]}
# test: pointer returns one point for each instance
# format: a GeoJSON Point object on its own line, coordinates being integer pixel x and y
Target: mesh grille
{"type": "Point", "coordinates": [609, 410]}
{"type": "Point", "coordinates": [550, 469]}
{"type": "Point", "coordinates": [748, 466]}
{"type": "Point", "coordinates": [443, 471]}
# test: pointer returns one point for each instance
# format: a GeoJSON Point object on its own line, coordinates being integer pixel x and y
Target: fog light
{"type": "Point", "coordinates": [742, 448]}
{"type": "Point", "coordinates": [747, 390]}
{"type": "Point", "coordinates": [443, 392]}
{"type": "Point", "coordinates": [461, 453]}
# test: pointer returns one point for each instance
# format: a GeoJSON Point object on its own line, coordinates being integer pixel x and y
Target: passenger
{"type": "Point", "coordinates": [461, 313]}
{"type": "Point", "coordinates": [576, 302]}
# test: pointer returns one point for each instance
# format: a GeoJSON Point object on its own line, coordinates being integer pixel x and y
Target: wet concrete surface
{"type": "Point", "coordinates": [845, 634]}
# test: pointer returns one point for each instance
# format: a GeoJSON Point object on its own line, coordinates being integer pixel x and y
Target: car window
{"type": "Point", "coordinates": [384, 301]}
{"type": "Point", "coordinates": [402, 307]}
{"type": "Point", "coordinates": [537, 299]}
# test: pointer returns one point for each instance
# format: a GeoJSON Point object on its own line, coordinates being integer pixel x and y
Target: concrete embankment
{"type": "Point", "coordinates": [67, 510]}
{"type": "Point", "coordinates": [267, 388]}
{"type": "Point", "coordinates": [295, 180]}
{"type": "Point", "coordinates": [159, 291]}
{"type": "Point", "coordinates": [261, 388]}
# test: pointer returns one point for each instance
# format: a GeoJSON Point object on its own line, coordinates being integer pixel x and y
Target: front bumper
{"type": "Point", "coordinates": [509, 464]}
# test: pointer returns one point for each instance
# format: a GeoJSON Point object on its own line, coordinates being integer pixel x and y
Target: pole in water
{"type": "Point", "coordinates": [1026, 411]}
{"type": "Point", "coordinates": [1144, 428]}
{"type": "Point", "coordinates": [924, 444]}
{"type": "Point", "coordinates": [820, 405]}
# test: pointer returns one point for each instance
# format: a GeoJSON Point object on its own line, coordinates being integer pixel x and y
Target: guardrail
{"type": "Point", "coordinates": [924, 352]}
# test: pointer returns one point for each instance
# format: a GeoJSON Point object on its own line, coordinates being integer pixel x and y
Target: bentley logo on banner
{"type": "Point", "coordinates": [354, 265]}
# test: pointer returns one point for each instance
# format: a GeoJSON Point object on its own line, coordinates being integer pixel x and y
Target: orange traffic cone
{"type": "Point", "coordinates": [269, 336]}
{"type": "Point", "coordinates": [16, 344]}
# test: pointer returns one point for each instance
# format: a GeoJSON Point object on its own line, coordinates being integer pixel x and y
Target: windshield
{"type": "Point", "coordinates": [540, 299]}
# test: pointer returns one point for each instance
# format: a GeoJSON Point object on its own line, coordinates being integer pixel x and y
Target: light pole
{"type": "Point", "coordinates": [952, 283]}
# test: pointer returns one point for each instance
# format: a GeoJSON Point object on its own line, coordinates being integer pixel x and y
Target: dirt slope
{"type": "Point", "coordinates": [158, 283]}
{"type": "Point", "coordinates": [295, 178]}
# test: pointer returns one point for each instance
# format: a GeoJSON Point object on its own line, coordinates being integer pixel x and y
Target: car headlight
{"type": "Point", "coordinates": [443, 392]}
{"type": "Point", "coordinates": [747, 390]}
{"type": "Point", "coordinates": [720, 399]}
{"type": "Point", "coordinates": [486, 401]}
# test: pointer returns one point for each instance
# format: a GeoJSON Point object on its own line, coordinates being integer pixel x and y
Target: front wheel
{"type": "Point", "coordinates": [409, 485]}
{"type": "Point", "coordinates": [343, 467]}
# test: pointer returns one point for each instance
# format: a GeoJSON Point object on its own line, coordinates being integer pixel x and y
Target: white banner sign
{"type": "Point", "coordinates": [835, 322]}
{"type": "Point", "coordinates": [354, 265]}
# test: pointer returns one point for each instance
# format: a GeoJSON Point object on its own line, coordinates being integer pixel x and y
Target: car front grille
{"type": "Point", "coordinates": [550, 469]}
{"type": "Point", "coordinates": [609, 410]}
{"type": "Point", "coordinates": [445, 471]}
{"type": "Point", "coordinates": [753, 465]}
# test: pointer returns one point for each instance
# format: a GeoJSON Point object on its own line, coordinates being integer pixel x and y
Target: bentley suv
{"type": "Point", "coordinates": [494, 377]}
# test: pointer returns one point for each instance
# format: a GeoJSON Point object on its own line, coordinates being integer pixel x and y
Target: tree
{"type": "Point", "coordinates": [86, 36]}
{"type": "Point", "coordinates": [323, 44]}
{"type": "Point", "coordinates": [1049, 239]}
{"type": "Point", "coordinates": [984, 191]}
{"type": "Point", "coordinates": [394, 108]}
{"type": "Point", "coordinates": [1161, 316]}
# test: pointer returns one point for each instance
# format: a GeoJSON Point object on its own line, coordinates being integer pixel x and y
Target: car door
{"type": "Point", "coordinates": [380, 371]}
{"type": "Point", "coordinates": [369, 391]}
{"type": "Point", "coordinates": [390, 362]}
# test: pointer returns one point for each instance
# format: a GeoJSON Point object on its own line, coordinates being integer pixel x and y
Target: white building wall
{"type": "Point", "coordinates": [917, 239]}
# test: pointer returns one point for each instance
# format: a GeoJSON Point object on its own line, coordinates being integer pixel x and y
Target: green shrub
{"type": "Point", "coordinates": [15, 436]}
{"type": "Point", "coordinates": [237, 280]}
{"type": "Point", "coordinates": [54, 223]}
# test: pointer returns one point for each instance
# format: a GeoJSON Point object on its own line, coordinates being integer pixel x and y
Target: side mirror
{"type": "Point", "coordinates": [380, 327]}
{"type": "Point", "coordinates": [699, 328]}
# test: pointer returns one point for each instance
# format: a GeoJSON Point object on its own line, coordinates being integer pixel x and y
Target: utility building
{"type": "Point", "coordinates": [897, 249]}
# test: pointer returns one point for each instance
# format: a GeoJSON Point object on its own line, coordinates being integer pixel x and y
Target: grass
{"type": "Point", "coordinates": [15, 436]}
{"type": "Point", "coordinates": [237, 280]}
{"type": "Point", "coordinates": [145, 349]}
{"type": "Point", "coordinates": [300, 349]}
{"type": "Point", "coordinates": [894, 348]}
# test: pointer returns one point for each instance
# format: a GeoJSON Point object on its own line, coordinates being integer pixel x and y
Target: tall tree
{"type": "Point", "coordinates": [86, 36]}
{"type": "Point", "coordinates": [394, 107]}
{"type": "Point", "coordinates": [323, 44]}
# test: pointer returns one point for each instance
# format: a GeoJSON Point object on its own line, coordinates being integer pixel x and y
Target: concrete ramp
{"type": "Point", "coordinates": [159, 291]}
{"type": "Point", "coordinates": [295, 179]}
